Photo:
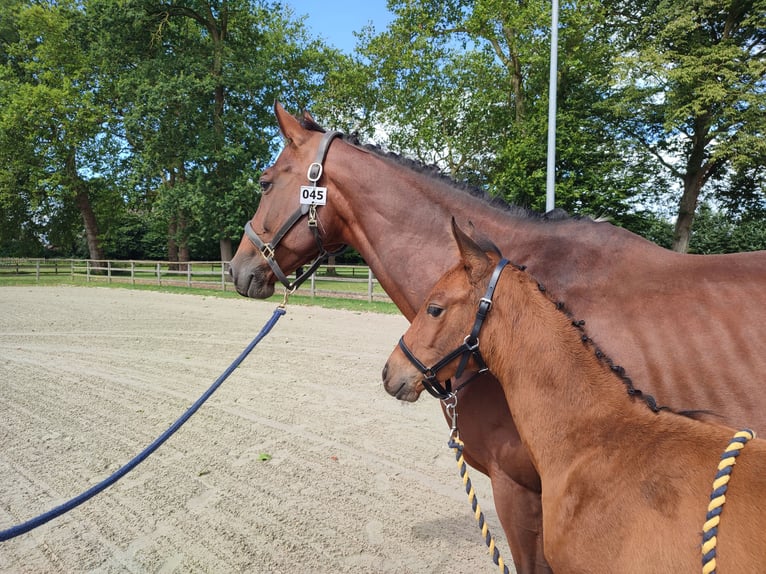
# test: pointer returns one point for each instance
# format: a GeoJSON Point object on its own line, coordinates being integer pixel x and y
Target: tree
{"type": "Point", "coordinates": [690, 93]}
{"type": "Point", "coordinates": [465, 85]}
{"type": "Point", "coordinates": [49, 119]}
{"type": "Point", "coordinates": [144, 116]}
{"type": "Point", "coordinates": [195, 97]}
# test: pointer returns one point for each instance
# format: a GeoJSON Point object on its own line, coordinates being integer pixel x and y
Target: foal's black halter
{"type": "Point", "coordinates": [268, 249]}
{"type": "Point", "coordinates": [469, 348]}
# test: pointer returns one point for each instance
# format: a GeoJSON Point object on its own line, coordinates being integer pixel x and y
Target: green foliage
{"type": "Point", "coordinates": [690, 94]}
{"type": "Point", "coordinates": [717, 232]}
{"type": "Point", "coordinates": [464, 85]}
{"type": "Point", "coordinates": [113, 112]}
{"type": "Point", "coordinates": [138, 128]}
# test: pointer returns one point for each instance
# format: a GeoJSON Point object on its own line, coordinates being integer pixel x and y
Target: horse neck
{"type": "Point", "coordinates": [558, 391]}
{"type": "Point", "coordinates": [398, 220]}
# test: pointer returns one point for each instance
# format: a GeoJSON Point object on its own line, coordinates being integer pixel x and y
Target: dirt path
{"type": "Point", "coordinates": [356, 482]}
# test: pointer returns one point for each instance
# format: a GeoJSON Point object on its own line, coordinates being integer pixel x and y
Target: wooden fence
{"type": "Point", "coordinates": [346, 281]}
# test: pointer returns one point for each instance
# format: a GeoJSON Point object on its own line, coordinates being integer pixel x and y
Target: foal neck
{"type": "Point", "coordinates": [564, 399]}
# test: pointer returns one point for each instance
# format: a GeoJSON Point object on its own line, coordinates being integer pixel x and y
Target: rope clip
{"type": "Point", "coordinates": [288, 292]}
{"type": "Point", "coordinates": [450, 406]}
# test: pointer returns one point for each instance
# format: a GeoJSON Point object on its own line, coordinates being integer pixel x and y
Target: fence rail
{"type": "Point", "coordinates": [344, 281]}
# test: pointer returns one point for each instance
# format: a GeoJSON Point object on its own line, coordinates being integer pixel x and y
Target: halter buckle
{"type": "Point", "coordinates": [267, 251]}
{"type": "Point", "coordinates": [312, 217]}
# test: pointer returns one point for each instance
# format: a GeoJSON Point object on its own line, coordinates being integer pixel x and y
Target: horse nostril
{"type": "Point", "coordinates": [385, 372]}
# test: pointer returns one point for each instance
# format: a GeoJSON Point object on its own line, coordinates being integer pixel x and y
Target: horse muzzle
{"type": "Point", "coordinates": [404, 387]}
{"type": "Point", "coordinates": [251, 279]}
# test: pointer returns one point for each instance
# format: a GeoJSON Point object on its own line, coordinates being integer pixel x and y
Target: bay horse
{"type": "Point", "coordinates": [690, 329]}
{"type": "Point", "coordinates": [625, 485]}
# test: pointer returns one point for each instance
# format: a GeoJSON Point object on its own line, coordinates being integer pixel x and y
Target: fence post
{"type": "Point", "coordinates": [188, 273]}
{"type": "Point", "coordinates": [87, 270]}
{"type": "Point", "coordinates": [37, 270]}
{"type": "Point", "coordinates": [159, 281]}
{"type": "Point", "coordinates": [109, 271]}
{"type": "Point", "coordinates": [133, 273]}
{"type": "Point", "coordinates": [223, 275]}
{"type": "Point", "coordinates": [369, 285]}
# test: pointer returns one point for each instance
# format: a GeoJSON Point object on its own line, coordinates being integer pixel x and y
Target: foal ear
{"type": "Point", "coordinates": [474, 258]}
{"type": "Point", "coordinates": [289, 125]}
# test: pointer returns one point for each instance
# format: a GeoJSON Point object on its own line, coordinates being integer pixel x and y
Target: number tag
{"type": "Point", "coordinates": [313, 195]}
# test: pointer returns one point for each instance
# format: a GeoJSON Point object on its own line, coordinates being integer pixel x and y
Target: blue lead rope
{"type": "Point", "coordinates": [122, 471]}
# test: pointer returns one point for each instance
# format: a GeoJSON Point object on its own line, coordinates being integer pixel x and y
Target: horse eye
{"type": "Point", "coordinates": [265, 186]}
{"type": "Point", "coordinates": [434, 310]}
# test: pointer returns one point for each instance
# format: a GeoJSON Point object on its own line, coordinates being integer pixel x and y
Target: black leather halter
{"type": "Point", "coordinates": [268, 249]}
{"type": "Point", "coordinates": [469, 348]}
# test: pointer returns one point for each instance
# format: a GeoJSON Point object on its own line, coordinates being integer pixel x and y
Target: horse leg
{"type": "Point", "coordinates": [520, 512]}
{"type": "Point", "coordinates": [494, 447]}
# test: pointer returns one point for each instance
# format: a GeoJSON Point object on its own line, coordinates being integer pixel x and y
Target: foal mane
{"type": "Point", "coordinates": [435, 173]}
{"type": "Point", "coordinates": [603, 358]}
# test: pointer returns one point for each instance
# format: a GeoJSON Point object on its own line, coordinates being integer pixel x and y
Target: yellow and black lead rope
{"type": "Point", "coordinates": [456, 444]}
{"type": "Point", "coordinates": [718, 498]}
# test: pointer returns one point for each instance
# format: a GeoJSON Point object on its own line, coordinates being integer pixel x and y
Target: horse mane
{"type": "Point", "coordinates": [435, 172]}
{"type": "Point", "coordinates": [487, 245]}
{"type": "Point", "coordinates": [632, 391]}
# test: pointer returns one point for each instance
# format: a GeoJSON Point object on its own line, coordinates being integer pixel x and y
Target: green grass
{"type": "Point", "coordinates": [47, 279]}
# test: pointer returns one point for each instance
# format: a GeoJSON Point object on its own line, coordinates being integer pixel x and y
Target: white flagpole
{"type": "Point", "coordinates": [550, 183]}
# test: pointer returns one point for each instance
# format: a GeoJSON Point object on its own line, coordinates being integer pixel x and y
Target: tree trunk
{"type": "Point", "coordinates": [227, 251]}
{"type": "Point", "coordinates": [82, 201]}
{"type": "Point", "coordinates": [330, 267]}
{"type": "Point", "coordinates": [698, 171]}
{"type": "Point", "coordinates": [183, 241]}
{"type": "Point", "coordinates": [172, 244]}
{"type": "Point", "coordinates": [683, 228]}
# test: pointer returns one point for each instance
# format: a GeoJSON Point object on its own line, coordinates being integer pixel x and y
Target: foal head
{"type": "Point", "coordinates": [443, 322]}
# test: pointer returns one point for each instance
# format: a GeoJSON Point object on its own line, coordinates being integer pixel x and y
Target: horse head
{"type": "Point", "coordinates": [286, 231]}
{"type": "Point", "coordinates": [444, 333]}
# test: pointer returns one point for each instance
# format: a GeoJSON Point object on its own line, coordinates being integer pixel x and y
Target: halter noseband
{"type": "Point", "coordinates": [469, 348]}
{"type": "Point", "coordinates": [268, 249]}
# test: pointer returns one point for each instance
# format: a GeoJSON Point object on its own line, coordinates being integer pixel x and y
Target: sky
{"type": "Point", "coordinates": [335, 21]}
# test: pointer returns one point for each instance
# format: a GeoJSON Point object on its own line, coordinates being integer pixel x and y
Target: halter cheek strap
{"type": "Point", "coordinates": [268, 249]}
{"type": "Point", "coordinates": [469, 348]}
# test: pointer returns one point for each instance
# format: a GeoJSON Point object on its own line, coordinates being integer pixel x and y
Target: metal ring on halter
{"type": "Point", "coordinates": [319, 169]}
{"type": "Point", "coordinates": [469, 346]}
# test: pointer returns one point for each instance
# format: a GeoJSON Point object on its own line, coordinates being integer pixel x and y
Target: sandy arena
{"type": "Point", "coordinates": [354, 482]}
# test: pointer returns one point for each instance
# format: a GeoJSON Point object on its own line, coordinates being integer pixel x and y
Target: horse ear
{"type": "Point", "coordinates": [474, 258]}
{"type": "Point", "coordinates": [288, 124]}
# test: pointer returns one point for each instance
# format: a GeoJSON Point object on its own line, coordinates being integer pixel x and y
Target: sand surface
{"type": "Point", "coordinates": [354, 482]}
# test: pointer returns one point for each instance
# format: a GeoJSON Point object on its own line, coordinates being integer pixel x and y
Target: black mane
{"type": "Point", "coordinates": [435, 172]}
{"type": "Point", "coordinates": [632, 391]}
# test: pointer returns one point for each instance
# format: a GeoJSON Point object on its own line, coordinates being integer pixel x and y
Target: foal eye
{"type": "Point", "coordinates": [434, 310]}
